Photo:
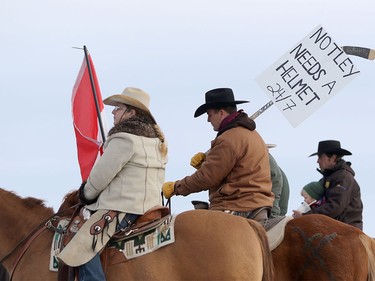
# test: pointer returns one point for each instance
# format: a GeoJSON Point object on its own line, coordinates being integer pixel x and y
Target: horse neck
{"type": "Point", "coordinates": [19, 217]}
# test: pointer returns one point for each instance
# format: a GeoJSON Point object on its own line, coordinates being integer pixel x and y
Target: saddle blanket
{"type": "Point", "coordinates": [148, 241]}
{"type": "Point", "coordinates": [276, 234]}
{"type": "Point", "coordinates": [56, 244]}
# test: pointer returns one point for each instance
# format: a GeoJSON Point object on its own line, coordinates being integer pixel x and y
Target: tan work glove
{"type": "Point", "coordinates": [197, 160]}
{"type": "Point", "coordinates": [168, 189]}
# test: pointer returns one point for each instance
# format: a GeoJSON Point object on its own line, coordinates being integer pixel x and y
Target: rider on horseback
{"type": "Point", "coordinates": [236, 169]}
{"type": "Point", "coordinates": [342, 192]}
{"type": "Point", "coordinates": [126, 179]}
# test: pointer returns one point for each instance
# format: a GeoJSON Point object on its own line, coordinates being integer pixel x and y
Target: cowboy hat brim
{"type": "Point", "coordinates": [270, 145]}
{"type": "Point", "coordinates": [122, 99]}
{"type": "Point", "coordinates": [203, 108]}
{"type": "Point", "coordinates": [115, 100]}
{"type": "Point", "coordinates": [337, 151]}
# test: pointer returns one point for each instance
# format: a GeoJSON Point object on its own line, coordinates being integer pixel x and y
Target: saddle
{"type": "Point", "coordinates": [260, 215]}
{"type": "Point", "coordinates": [141, 224]}
{"type": "Point", "coordinates": [275, 227]}
{"type": "Point", "coordinates": [147, 221]}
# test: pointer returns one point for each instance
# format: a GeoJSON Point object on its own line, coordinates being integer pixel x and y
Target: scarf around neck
{"type": "Point", "coordinates": [236, 119]}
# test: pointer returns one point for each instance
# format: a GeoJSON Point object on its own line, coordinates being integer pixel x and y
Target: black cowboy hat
{"type": "Point", "coordinates": [216, 98]}
{"type": "Point", "coordinates": [331, 147]}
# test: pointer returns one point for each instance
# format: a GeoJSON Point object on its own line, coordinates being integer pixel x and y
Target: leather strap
{"type": "Point", "coordinates": [23, 250]}
{"type": "Point", "coordinates": [98, 226]}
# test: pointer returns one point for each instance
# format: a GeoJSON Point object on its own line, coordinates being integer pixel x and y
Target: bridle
{"type": "Point", "coordinates": [26, 241]}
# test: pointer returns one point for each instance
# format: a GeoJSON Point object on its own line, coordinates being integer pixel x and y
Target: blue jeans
{"type": "Point", "coordinates": [128, 219]}
{"type": "Point", "coordinates": [93, 270]}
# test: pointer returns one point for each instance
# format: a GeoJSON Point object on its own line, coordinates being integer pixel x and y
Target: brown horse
{"type": "Point", "coordinates": [208, 246]}
{"type": "Point", "coordinates": [317, 247]}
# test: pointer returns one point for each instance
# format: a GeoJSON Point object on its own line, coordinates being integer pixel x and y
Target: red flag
{"type": "Point", "coordinates": [86, 119]}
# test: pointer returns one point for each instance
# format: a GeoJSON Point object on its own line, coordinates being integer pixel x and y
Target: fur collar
{"type": "Point", "coordinates": [136, 125]}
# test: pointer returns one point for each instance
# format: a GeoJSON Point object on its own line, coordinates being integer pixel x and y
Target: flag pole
{"type": "Point", "coordinates": [94, 93]}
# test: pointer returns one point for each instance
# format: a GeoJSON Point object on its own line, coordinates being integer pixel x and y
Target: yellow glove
{"type": "Point", "coordinates": [168, 189]}
{"type": "Point", "coordinates": [197, 160]}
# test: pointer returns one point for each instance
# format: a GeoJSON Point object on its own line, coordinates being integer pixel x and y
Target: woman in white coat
{"type": "Point", "coordinates": [127, 178]}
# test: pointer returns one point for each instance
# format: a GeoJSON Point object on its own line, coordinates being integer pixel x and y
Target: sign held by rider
{"type": "Point", "coordinates": [309, 74]}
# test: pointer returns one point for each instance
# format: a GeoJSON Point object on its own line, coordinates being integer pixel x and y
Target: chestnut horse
{"type": "Point", "coordinates": [317, 247]}
{"type": "Point", "coordinates": [208, 246]}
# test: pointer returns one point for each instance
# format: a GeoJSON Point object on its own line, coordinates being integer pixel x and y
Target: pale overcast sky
{"type": "Point", "coordinates": [175, 51]}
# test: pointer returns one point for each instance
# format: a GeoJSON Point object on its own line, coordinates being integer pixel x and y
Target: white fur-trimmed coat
{"type": "Point", "coordinates": [129, 175]}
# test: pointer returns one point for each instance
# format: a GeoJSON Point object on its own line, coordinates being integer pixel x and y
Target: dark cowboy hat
{"type": "Point", "coordinates": [217, 98]}
{"type": "Point", "coordinates": [331, 147]}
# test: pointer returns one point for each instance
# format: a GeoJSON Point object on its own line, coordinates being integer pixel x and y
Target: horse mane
{"type": "Point", "coordinates": [28, 204]}
{"type": "Point", "coordinates": [70, 199]}
{"type": "Point", "coordinates": [32, 202]}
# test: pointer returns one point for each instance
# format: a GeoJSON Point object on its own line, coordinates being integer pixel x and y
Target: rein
{"type": "Point", "coordinates": [168, 203]}
{"type": "Point", "coordinates": [24, 248]}
{"type": "Point", "coordinates": [26, 242]}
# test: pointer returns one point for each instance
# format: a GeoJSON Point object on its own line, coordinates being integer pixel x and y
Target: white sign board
{"type": "Point", "coordinates": [309, 74]}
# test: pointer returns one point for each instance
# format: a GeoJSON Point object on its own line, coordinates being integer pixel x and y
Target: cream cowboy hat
{"type": "Point", "coordinates": [131, 96]}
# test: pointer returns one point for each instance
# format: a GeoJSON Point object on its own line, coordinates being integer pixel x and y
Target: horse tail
{"type": "Point", "coordinates": [369, 244]}
{"type": "Point", "coordinates": [268, 269]}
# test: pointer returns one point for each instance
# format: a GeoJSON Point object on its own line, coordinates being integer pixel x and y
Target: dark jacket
{"type": "Point", "coordinates": [343, 195]}
{"type": "Point", "coordinates": [280, 188]}
{"type": "Point", "coordinates": [284, 198]}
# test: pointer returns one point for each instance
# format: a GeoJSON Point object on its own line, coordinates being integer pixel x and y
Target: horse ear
{"type": "Point", "coordinates": [70, 199]}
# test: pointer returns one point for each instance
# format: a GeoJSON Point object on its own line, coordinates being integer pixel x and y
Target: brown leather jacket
{"type": "Point", "coordinates": [236, 171]}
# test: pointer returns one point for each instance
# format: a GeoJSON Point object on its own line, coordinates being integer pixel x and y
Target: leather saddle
{"type": "Point", "coordinates": [143, 223]}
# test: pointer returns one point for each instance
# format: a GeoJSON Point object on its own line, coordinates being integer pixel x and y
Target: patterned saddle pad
{"type": "Point", "coordinates": [139, 243]}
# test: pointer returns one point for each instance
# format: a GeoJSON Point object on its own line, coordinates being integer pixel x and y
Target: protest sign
{"type": "Point", "coordinates": [309, 74]}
